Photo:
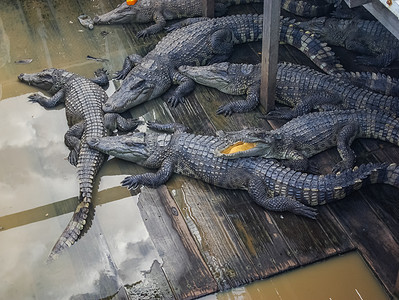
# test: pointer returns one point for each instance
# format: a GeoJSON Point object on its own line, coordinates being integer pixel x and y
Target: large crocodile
{"type": "Point", "coordinates": [378, 46]}
{"type": "Point", "coordinates": [83, 101]}
{"type": "Point", "coordinates": [160, 11]}
{"type": "Point", "coordinates": [305, 136]}
{"type": "Point", "coordinates": [269, 184]}
{"type": "Point", "coordinates": [201, 43]}
{"type": "Point", "coordinates": [298, 86]}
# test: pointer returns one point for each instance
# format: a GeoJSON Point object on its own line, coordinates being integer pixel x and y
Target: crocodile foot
{"type": "Point", "coordinates": [225, 110]}
{"type": "Point", "coordinates": [175, 101]}
{"type": "Point", "coordinates": [131, 182]}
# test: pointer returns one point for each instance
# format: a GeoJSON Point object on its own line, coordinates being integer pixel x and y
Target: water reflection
{"type": "Point", "coordinates": [35, 174]}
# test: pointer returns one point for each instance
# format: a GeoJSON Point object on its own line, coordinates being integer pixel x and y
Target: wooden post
{"type": "Point", "coordinates": [270, 42]}
{"type": "Point", "coordinates": [208, 8]}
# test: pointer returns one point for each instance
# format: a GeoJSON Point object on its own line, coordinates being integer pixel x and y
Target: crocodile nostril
{"type": "Point", "coordinates": [20, 76]}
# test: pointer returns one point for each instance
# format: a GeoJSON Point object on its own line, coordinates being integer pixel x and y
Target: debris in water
{"type": "Point", "coordinates": [104, 33]}
{"type": "Point", "coordinates": [86, 21]}
{"type": "Point", "coordinates": [97, 59]}
{"type": "Point", "coordinates": [24, 61]}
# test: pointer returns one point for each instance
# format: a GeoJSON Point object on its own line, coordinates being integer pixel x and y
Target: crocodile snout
{"type": "Point", "coordinates": [21, 76]}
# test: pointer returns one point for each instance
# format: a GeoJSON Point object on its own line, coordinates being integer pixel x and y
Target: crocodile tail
{"type": "Point", "coordinates": [307, 42]}
{"type": "Point", "coordinates": [306, 9]}
{"type": "Point", "coordinates": [72, 231]}
{"type": "Point", "coordinates": [391, 175]}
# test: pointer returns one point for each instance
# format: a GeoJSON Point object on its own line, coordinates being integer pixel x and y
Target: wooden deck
{"type": "Point", "coordinates": [210, 239]}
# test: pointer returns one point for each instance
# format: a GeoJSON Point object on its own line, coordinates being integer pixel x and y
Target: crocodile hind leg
{"type": "Point", "coordinates": [113, 121]}
{"type": "Point", "coordinates": [311, 101]}
{"type": "Point", "coordinates": [257, 190]}
{"type": "Point", "coordinates": [72, 141]}
{"type": "Point", "coordinates": [344, 139]}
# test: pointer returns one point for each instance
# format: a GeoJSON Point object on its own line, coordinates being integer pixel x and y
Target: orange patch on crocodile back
{"type": "Point", "coordinates": [131, 2]}
{"type": "Point", "coordinates": [238, 147]}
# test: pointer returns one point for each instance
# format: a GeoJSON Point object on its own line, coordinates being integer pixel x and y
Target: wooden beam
{"type": "Point", "coordinates": [208, 8]}
{"type": "Point", "coordinates": [270, 42]}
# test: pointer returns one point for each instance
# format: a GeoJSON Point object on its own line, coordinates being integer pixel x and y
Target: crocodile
{"type": "Point", "coordinates": [201, 43]}
{"type": "Point", "coordinates": [83, 100]}
{"type": "Point", "coordinates": [309, 8]}
{"type": "Point", "coordinates": [160, 11]}
{"type": "Point", "coordinates": [297, 86]}
{"type": "Point", "coordinates": [377, 46]}
{"type": "Point", "coordinates": [271, 185]}
{"type": "Point", "coordinates": [310, 134]}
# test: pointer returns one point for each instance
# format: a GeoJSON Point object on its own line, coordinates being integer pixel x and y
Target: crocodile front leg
{"type": "Point", "coordinates": [152, 180]}
{"type": "Point", "coordinates": [186, 85]}
{"type": "Point", "coordinates": [241, 106]}
{"type": "Point", "coordinates": [128, 65]}
{"type": "Point", "coordinates": [257, 190]}
{"type": "Point", "coordinates": [344, 140]}
{"type": "Point", "coordinates": [160, 24]}
{"type": "Point", "coordinates": [72, 141]}
{"type": "Point", "coordinates": [48, 102]}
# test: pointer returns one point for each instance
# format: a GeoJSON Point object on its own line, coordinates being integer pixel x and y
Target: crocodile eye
{"type": "Point", "coordinates": [137, 84]}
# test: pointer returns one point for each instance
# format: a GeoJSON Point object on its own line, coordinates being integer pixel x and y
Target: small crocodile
{"type": "Point", "coordinates": [201, 43]}
{"type": "Point", "coordinates": [307, 135]}
{"type": "Point", "coordinates": [370, 38]}
{"type": "Point", "coordinates": [83, 99]}
{"type": "Point", "coordinates": [270, 184]}
{"type": "Point", "coordinates": [297, 86]}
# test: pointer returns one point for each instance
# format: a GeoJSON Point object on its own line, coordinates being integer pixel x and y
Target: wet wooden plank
{"type": "Point", "coordinates": [223, 223]}
{"type": "Point", "coordinates": [182, 262]}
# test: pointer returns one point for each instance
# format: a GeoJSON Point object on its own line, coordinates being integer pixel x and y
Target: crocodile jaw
{"type": "Point", "coordinates": [124, 13]}
{"type": "Point", "coordinates": [131, 147]}
{"type": "Point", "coordinates": [42, 80]}
{"type": "Point", "coordinates": [132, 92]}
{"type": "Point", "coordinates": [215, 75]}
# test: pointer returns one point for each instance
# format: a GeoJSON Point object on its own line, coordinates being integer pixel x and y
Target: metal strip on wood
{"type": "Point", "coordinates": [270, 42]}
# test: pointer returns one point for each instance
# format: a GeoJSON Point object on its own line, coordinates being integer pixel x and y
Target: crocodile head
{"type": "Point", "coordinates": [144, 82]}
{"type": "Point", "coordinates": [247, 143]}
{"type": "Point", "coordinates": [226, 77]}
{"type": "Point", "coordinates": [49, 79]}
{"type": "Point", "coordinates": [124, 13]}
{"type": "Point", "coordinates": [136, 147]}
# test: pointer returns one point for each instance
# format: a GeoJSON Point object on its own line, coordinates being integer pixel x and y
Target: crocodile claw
{"type": "Point", "coordinates": [142, 34]}
{"type": "Point", "coordinates": [131, 182]}
{"type": "Point", "coordinates": [73, 158]}
{"type": "Point", "coordinates": [175, 101]}
{"type": "Point", "coordinates": [35, 98]}
{"type": "Point", "coordinates": [225, 110]}
{"type": "Point", "coordinates": [120, 75]}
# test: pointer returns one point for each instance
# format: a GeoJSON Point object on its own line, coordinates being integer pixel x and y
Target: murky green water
{"type": "Point", "coordinates": [346, 277]}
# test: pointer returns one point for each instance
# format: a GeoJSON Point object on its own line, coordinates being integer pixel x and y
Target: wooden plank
{"type": "Point", "coordinates": [355, 3]}
{"type": "Point", "coordinates": [208, 8]}
{"type": "Point", "coordinates": [382, 14]}
{"type": "Point", "coordinates": [233, 234]}
{"type": "Point", "coordinates": [270, 42]}
{"type": "Point", "coordinates": [182, 263]}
